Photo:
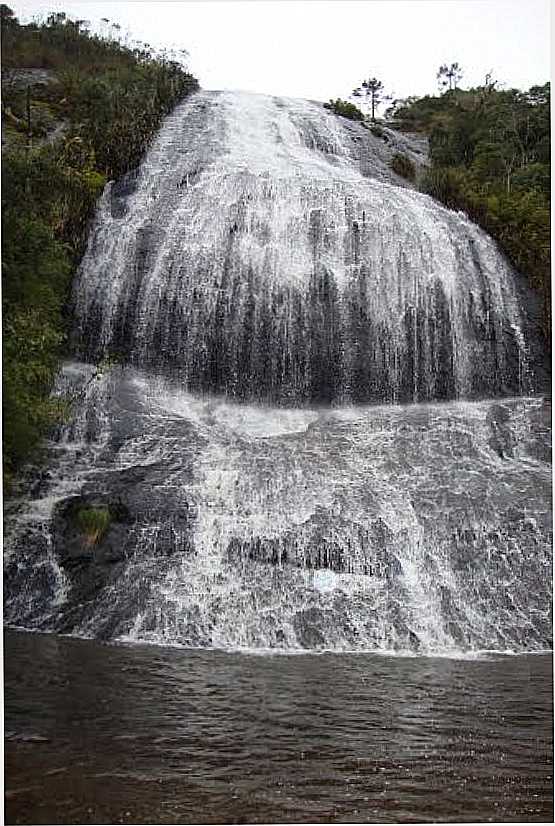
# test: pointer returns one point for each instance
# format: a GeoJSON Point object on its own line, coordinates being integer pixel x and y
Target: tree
{"type": "Point", "coordinates": [7, 16]}
{"type": "Point", "coordinates": [56, 19]}
{"type": "Point", "coordinates": [371, 91]}
{"type": "Point", "coordinates": [449, 76]}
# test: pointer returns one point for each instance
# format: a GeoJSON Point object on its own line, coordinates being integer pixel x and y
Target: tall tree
{"type": "Point", "coordinates": [372, 91]}
{"type": "Point", "coordinates": [449, 76]}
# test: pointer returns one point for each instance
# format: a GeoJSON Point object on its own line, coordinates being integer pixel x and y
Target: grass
{"type": "Point", "coordinates": [94, 523]}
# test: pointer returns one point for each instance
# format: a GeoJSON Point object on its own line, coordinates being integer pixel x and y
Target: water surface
{"type": "Point", "coordinates": [142, 734]}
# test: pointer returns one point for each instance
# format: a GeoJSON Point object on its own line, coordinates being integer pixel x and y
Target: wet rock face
{"type": "Point", "coordinates": [94, 567]}
{"type": "Point", "coordinates": [121, 191]}
{"type": "Point", "coordinates": [325, 542]}
{"type": "Point", "coordinates": [75, 547]}
{"type": "Point", "coordinates": [424, 527]}
{"type": "Point", "coordinates": [89, 565]}
{"type": "Point", "coordinates": [502, 439]}
{"type": "Point", "coordinates": [21, 78]}
{"type": "Point", "coordinates": [374, 148]}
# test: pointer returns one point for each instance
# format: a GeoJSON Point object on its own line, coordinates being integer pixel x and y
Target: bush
{"type": "Point", "coordinates": [36, 272]}
{"type": "Point", "coordinates": [345, 109]}
{"type": "Point", "coordinates": [403, 166]}
{"type": "Point", "coordinates": [378, 132]}
{"type": "Point", "coordinates": [46, 204]}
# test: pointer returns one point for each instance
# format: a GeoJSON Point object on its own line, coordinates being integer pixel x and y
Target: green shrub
{"type": "Point", "coordinates": [93, 523]}
{"type": "Point", "coordinates": [519, 221]}
{"type": "Point", "coordinates": [345, 109]}
{"type": "Point", "coordinates": [403, 166]}
{"type": "Point", "coordinates": [45, 207]}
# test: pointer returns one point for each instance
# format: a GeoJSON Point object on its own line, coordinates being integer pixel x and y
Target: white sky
{"type": "Point", "coordinates": [319, 49]}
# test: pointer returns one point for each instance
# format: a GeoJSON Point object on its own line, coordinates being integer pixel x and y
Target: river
{"type": "Point", "coordinates": [103, 733]}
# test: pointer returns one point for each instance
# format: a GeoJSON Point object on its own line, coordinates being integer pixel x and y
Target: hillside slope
{"type": "Point", "coordinates": [77, 110]}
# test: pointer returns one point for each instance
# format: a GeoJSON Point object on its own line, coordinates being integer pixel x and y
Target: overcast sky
{"type": "Point", "coordinates": [324, 48]}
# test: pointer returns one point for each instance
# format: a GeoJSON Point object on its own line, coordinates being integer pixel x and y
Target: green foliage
{"type": "Point", "coordinates": [113, 96]}
{"type": "Point", "coordinates": [371, 91]}
{"type": "Point", "coordinates": [36, 271]}
{"type": "Point", "coordinates": [46, 203]}
{"type": "Point", "coordinates": [94, 523]}
{"type": "Point", "coordinates": [403, 166]}
{"type": "Point", "coordinates": [378, 132]}
{"type": "Point", "coordinates": [490, 152]}
{"type": "Point", "coordinates": [344, 108]}
{"type": "Point", "coordinates": [110, 100]}
{"type": "Point", "coordinates": [448, 77]}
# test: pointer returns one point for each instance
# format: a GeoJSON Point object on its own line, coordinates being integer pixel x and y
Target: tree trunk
{"type": "Point", "coordinates": [29, 134]}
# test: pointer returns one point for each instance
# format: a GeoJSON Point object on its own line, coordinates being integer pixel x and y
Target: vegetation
{"type": "Point", "coordinates": [490, 154]}
{"type": "Point", "coordinates": [403, 166]}
{"type": "Point", "coordinates": [378, 132]}
{"type": "Point", "coordinates": [93, 520]}
{"type": "Point", "coordinates": [372, 92]}
{"type": "Point", "coordinates": [93, 523]}
{"type": "Point", "coordinates": [89, 121]}
{"type": "Point", "coordinates": [344, 108]}
{"type": "Point", "coordinates": [449, 77]}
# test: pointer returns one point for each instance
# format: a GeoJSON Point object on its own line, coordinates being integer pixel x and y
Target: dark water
{"type": "Point", "coordinates": [112, 734]}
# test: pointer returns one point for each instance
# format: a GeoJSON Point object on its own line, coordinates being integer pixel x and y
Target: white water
{"type": "Point", "coordinates": [252, 259]}
{"type": "Point", "coordinates": [255, 257]}
{"type": "Point", "coordinates": [415, 528]}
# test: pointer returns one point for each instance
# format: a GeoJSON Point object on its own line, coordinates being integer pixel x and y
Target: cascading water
{"type": "Point", "coordinates": [262, 255]}
{"type": "Point", "coordinates": [254, 258]}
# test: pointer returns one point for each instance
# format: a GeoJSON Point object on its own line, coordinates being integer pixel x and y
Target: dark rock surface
{"type": "Point", "coordinates": [374, 154]}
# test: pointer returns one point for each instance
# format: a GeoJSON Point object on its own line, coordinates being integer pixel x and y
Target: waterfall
{"type": "Point", "coordinates": [253, 257]}
{"type": "Point", "coordinates": [271, 291]}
